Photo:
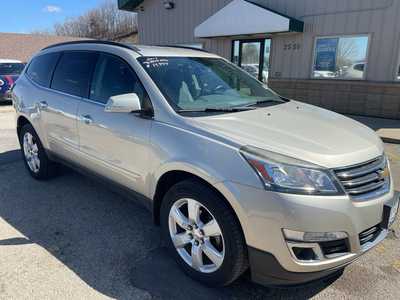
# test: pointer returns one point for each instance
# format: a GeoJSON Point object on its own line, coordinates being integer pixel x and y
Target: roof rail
{"type": "Point", "coordinates": [131, 47]}
{"type": "Point", "coordinates": [184, 47]}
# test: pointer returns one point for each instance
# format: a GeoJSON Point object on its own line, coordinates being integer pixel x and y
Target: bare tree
{"type": "Point", "coordinates": [104, 22]}
{"type": "Point", "coordinates": [347, 51]}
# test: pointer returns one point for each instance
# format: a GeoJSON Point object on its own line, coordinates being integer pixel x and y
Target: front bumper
{"type": "Point", "coordinates": [266, 270]}
{"type": "Point", "coordinates": [265, 214]}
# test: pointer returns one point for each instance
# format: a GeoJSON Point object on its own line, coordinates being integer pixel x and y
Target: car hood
{"type": "Point", "coordinates": [298, 130]}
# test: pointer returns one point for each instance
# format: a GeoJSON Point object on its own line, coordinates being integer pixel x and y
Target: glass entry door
{"type": "Point", "coordinates": [253, 56]}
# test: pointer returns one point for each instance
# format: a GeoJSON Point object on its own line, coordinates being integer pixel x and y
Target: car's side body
{"type": "Point", "coordinates": [149, 153]}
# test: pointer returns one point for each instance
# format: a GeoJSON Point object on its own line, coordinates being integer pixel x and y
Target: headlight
{"type": "Point", "coordinates": [1, 82]}
{"type": "Point", "coordinates": [289, 175]}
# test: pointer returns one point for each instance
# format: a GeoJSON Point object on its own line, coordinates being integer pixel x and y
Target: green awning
{"type": "Point", "coordinates": [254, 19]}
{"type": "Point", "coordinates": [129, 5]}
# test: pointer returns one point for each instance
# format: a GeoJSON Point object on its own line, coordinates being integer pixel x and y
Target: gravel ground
{"type": "Point", "coordinates": [72, 238]}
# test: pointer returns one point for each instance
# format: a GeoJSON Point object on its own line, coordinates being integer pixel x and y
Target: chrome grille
{"type": "Point", "coordinates": [371, 177]}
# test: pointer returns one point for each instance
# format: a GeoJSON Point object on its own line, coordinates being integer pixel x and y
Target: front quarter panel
{"type": "Point", "coordinates": [179, 149]}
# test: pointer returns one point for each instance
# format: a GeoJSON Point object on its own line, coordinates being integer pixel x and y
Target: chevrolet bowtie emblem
{"type": "Point", "coordinates": [383, 173]}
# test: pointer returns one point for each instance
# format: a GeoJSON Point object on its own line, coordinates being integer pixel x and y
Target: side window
{"type": "Point", "coordinates": [41, 68]}
{"type": "Point", "coordinates": [398, 73]}
{"type": "Point", "coordinates": [112, 77]}
{"type": "Point", "coordinates": [73, 73]}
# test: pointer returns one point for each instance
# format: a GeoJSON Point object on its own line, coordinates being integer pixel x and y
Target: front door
{"type": "Point", "coordinates": [114, 145]}
{"type": "Point", "coordinates": [253, 56]}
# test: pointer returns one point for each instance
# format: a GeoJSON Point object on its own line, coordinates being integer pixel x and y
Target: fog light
{"type": "Point", "coordinates": [314, 236]}
{"type": "Point", "coordinates": [304, 253]}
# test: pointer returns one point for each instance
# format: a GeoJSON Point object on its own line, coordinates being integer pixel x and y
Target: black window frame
{"type": "Point", "coordinates": [262, 52]}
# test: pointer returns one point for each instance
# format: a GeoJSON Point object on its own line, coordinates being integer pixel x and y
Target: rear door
{"type": "Point", "coordinates": [69, 84]}
{"type": "Point", "coordinates": [115, 145]}
{"type": "Point", "coordinates": [40, 72]}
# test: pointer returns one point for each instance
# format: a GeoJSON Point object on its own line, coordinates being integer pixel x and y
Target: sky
{"type": "Point", "coordinates": [25, 16]}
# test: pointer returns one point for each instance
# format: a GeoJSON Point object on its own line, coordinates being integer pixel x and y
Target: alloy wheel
{"type": "Point", "coordinates": [196, 235]}
{"type": "Point", "coordinates": [31, 152]}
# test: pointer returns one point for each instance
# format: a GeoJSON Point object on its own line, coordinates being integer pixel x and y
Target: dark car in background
{"type": "Point", "coordinates": [9, 73]}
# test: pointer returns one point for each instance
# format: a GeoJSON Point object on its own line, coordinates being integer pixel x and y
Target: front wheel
{"type": "Point", "coordinates": [203, 234]}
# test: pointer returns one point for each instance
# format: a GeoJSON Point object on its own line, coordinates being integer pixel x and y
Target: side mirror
{"type": "Point", "coordinates": [125, 103]}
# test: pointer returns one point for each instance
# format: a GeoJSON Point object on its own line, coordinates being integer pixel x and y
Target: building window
{"type": "Point", "coordinates": [398, 72]}
{"type": "Point", "coordinates": [253, 57]}
{"type": "Point", "coordinates": [343, 57]}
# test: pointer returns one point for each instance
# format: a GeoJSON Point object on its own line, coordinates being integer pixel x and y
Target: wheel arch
{"type": "Point", "coordinates": [21, 122]}
{"type": "Point", "coordinates": [171, 177]}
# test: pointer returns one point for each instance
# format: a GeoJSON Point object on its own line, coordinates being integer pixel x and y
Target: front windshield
{"type": "Point", "coordinates": [11, 68]}
{"type": "Point", "coordinates": [194, 83]}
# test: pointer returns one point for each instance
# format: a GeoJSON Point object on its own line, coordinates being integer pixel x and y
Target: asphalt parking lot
{"type": "Point", "coordinates": [72, 238]}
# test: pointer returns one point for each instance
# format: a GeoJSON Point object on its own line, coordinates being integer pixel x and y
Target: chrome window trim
{"type": "Point", "coordinates": [93, 102]}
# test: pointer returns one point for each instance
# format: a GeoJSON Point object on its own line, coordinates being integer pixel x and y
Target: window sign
{"type": "Point", "coordinates": [326, 50]}
{"type": "Point", "coordinates": [340, 57]}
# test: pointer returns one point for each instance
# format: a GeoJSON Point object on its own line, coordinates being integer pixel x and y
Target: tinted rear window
{"type": "Point", "coordinates": [11, 68]}
{"type": "Point", "coordinates": [41, 68]}
{"type": "Point", "coordinates": [73, 73]}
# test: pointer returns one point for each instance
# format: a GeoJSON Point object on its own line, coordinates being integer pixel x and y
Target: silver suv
{"type": "Point", "coordinates": [237, 176]}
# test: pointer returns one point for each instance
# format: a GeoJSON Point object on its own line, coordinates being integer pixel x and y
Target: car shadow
{"type": "Point", "coordinates": [10, 156]}
{"type": "Point", "coordinates": [107, 240]}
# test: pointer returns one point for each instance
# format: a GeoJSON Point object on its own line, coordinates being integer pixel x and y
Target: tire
{"type": "Point", "coordinates": [34, 155]}
{"type": "Point", "coordinates": [230, 245]}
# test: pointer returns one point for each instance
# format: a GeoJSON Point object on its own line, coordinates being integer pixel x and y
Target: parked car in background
{"type": "Point", "coordinates": [253, 70]}
{"type": "Point", "coordinates": [355, 71]}
{"type": "Point", "coordinates": [324, 74]}
{"type": "Point", "coordinates": [237, 176]}
{"type": "Point", "coordinates": [9, 72]}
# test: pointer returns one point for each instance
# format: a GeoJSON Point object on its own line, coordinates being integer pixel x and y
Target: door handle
{"type": "Point", "coordinates": [43, 105]}
{"type": "Point", "coordinates": [87, 119]}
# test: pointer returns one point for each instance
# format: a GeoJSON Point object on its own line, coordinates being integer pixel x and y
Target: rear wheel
{"type": "Point", "coordinates": [35, 157]}
{"type": "Point", "coordinates": [203, 234]}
